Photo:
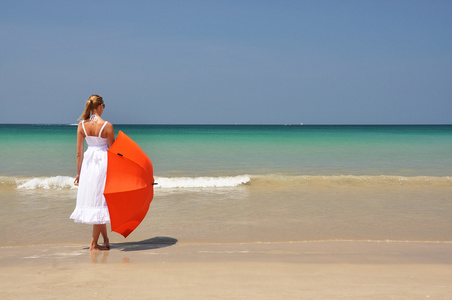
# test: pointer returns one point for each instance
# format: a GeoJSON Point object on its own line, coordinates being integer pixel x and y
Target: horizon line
{"type": "Point", "coordinates": [246, 124]}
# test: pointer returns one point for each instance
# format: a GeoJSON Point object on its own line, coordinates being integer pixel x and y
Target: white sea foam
{"type": "Point", "coordinates": [66, 182]}
{"type": "Point", "coordinates": [56, 182]}
{"type": "Point", "coordinates": [201, 182]}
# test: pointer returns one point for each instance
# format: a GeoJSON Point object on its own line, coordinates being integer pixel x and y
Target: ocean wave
{"type": "Point", "coordinates": [47, 183]}
{"type": "Point", "coordinates": [201, 182]}
{"type": "Point", "coordinates": [166, 183]}
{"type": "Point", "coordinates": [67, 182]}
{"type": "Point", "coordinates": [351, 180]}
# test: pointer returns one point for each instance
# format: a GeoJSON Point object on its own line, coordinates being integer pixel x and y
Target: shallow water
{"type": "Point", "coordinates": [257, 211]}
{"type": "Point", "coordinates": [228, 184]}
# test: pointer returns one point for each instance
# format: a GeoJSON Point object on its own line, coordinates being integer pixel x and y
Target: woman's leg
{"type": "Point", "coordinates": [96, 232]}
{"type": "Point", "coordinates": [103, 231]}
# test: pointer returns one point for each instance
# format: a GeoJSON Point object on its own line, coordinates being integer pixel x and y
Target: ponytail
{"type": "Point", "coordinates": [87, 112]}
{"type": "Point", "coordinates": [93, 102]}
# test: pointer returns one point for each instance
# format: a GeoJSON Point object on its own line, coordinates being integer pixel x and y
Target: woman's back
{"type": "Point", "coordinates": [95, 140]}
{"type": "Point", "coordinates": [94, 128]}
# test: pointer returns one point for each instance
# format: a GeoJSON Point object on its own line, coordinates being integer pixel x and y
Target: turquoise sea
{"type": "Point", "coordinates": [242, 183]}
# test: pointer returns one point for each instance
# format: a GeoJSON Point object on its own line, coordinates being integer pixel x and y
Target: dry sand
{"type": "Point", "coordinates": [162, 268]}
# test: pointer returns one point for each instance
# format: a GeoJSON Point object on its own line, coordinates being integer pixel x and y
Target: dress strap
{"type": "Point", "coordinates": [83, 125]}
{"type": "Point", "coordinates": [102, 129]}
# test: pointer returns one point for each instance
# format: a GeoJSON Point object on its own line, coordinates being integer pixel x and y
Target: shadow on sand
{"type": "Point", "coordinates": [149, 244]}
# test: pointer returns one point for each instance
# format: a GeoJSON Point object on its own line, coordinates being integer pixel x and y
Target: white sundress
{"type": "Point", "coordinates": [91, 207]}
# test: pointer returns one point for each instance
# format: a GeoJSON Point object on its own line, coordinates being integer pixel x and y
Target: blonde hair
{"type": "Point", "coordinates": [93, 103]}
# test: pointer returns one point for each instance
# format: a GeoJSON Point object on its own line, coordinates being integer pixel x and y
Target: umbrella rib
{"type": "Point", "coordinates": [124, 157]}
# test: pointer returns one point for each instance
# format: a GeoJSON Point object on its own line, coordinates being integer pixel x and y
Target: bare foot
{"type": "Point", "coordinates": [98, 247]}
{"type": "Point", "coordinates": [107, 243]}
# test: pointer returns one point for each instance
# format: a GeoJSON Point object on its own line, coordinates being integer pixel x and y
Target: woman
{"type": "Point", "coordinates": [91, 207]}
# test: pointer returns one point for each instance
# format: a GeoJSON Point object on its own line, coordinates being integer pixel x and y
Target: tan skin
{"type": "Point", "coordinates": [93, 129]}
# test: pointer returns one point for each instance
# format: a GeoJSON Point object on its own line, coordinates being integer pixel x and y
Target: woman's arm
{"type": "Point", "coordinates": [110, 131]}
{"type": "Point", "coordinates": [80, 148]}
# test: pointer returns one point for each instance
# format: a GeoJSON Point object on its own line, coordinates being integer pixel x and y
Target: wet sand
{"type": "Point", "coordinates": [163, 268]}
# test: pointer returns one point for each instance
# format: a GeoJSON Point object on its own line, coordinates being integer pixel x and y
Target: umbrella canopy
{"type": "Point", "coordinates": [129, 185]}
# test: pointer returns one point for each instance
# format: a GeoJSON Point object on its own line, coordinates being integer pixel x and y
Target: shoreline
{"type": "Point", "coordinates": [321, 251]}
{"type": "Point", "coordinates": [173, 270]}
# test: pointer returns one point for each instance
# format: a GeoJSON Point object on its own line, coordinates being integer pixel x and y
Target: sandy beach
{"type": "Point", "coordinates": [162, 268]}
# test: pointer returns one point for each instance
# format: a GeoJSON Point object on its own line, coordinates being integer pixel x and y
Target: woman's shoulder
{"type": "Point", "coordinates": [80, 124]}
{"type": "Point", "coordinates": [108, 124]}
{"type": "Point", "coordinates": [108, 127]}
{"type": "Point", "coordinates": [80, 128]}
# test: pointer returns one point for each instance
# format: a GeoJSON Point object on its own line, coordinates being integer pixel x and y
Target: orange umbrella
{"type": "Point", "coordinates": [129, 185]}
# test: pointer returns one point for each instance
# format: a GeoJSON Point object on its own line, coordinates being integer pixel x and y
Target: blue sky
{"type": "Point", "coordinates": [228, 62]}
